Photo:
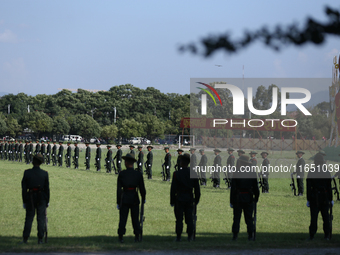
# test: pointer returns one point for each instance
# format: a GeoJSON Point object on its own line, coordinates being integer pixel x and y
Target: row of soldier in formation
{"type": "Point", "coordinates": [184, 197]}
{"type": "Point", "coordinates": [14, 150]}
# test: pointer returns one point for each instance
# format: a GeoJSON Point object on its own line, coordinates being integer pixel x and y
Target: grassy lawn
{"type": "Point", "coordinates": [83, 215]}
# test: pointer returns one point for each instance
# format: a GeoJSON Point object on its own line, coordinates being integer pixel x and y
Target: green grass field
{"type": "Point", "coordinates": [83, 216]}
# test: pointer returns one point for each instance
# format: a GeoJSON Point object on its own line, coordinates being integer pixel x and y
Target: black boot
{"type": "Point", "coordinates": [234, 237]}
{"type": "Point", "coordinates": [40, 241]}
{"type": "Point", "coordinates": [178, 238]}
{"type": "Point", "coordinates": [136, 238]}
{"type": "Point", "coordinates": [120, 239]}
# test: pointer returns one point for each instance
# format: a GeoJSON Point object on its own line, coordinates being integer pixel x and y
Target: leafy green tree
{"type": "Point", "coordinates": [110, 131]}
{"type": "Point", "coordinates": [13, 128]}
{"type": "Point", "coordinates": [38, 122]}
{"type": "Point", "coordinates": [152, 126]}
{"type": "Point", "coordinates": [60, 126]}
{"type": "Point", "coordinates": [3, 125]}
{"type": "Point", "coordinates": [85, 126]}
{"type": "Point", "coordinates": [131, 128]}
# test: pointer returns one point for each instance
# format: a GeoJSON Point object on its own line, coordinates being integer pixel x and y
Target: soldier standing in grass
{"type": "Point", "coordinates": [43, 149]}
{"type": "Point", "coordinates": [167, 163]}
{"type": "Point", "coordinates": [60, 153]}
{"type": "Point", "coordinates": [300, 172]}
{"type": "Point", "coordinates": [1, 149]}
{"type": "Point", "coordinates": [149, 160]}
{"type": "Point", "coordinates": [26, 152]}
{"type": "Point", "coordinates": [202, 166]}
{"type": "Point", "coordinates": [87, 155]}
{"type": "Point", "coordinates": [319, 196]}
{"type": "Point", "coordinates": [37, 148]}
{"type": "Point", "coordinates": [179, 151]}
{"type": "Point", "coordinates": [193, 159]}
{"type": "Point", "coordinates": [217, 165]}
{"type": "Point", "coordinates": [20, 150]}
{"type": "Point", "coordinates": [184, 195]}
{"type": "Point", "coordinates": [265, 171]}
{"type": "Point", "coordinates": [132, 152]}
{"type": "Point", "coordinates": [68, 155]}
{"type": "Point", "coordinates": [128, 183]}
{"type": "Point", "coordinates": [140, 159]}
{"type": "Point", "coordinates": [35, 197]}
{"type": "Point", "coordinates": [98, 157]}
{"type": "Point", "coordinates": [244, 193]}
{"type": "Point", "coordinates": [5, 149]}
{"type": "Point", "coordinates": [76, 155]}
{"type": "Point", "coordinates": [108, 159]}
{"type": "Point", "coordinates": [48, 152]}
{"type": "Point", "coordinates": [31, 151]}
{"type": "Point", "coordinates": [230, 165]}
{"type": "Point", "coordinates": [16, 149]}
{"type": "Point", "coordinates": [118, 158]}
{"type": "Point", "coordinates": [54, 153]}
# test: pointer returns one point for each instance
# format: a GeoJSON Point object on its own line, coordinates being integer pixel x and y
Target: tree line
{"type": "Point", "coordinates": [127, 111]}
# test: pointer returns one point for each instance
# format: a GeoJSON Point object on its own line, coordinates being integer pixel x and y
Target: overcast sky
{"type": "Point", "coordinates": [49, 45]}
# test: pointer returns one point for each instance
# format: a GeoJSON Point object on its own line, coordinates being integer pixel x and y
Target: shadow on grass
{"type": "Point", "coordinates": [204, 241]}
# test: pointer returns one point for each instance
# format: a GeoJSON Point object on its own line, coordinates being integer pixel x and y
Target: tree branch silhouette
{"type": "Point", "coordinates": [314, 32]}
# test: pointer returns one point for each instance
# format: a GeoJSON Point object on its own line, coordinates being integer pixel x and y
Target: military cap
{"type": "Point", "coordinates": [180, 150]}
{"type": "Point", "coordinates": [264, 152]}
{"type": "Point", "coordinates": [244, 159]}
{"type": "Point", "coordinates": [129, 157]}
{"type": "Point", "coordinates": [108, 145]}
{"type": "Point", "coordinates": [42, 141]}
{"type": "Point", "coordinates": [166, 148]}
{"type": "Point", "coordinates": [68, 142]}
{"type": "Point", "coordinates": [185, 156]}
{"type": "Point", "coordinates": [253, 152]}
{"type": "Point", "coordinates": [299, 152]}
{"type": "Point", "coordinates": [131, 146]}
{"type": "Point", "coordinates": [217, 150]}
{"type": "Point", "coordinates": [87, 142]}
{"type": "Point", "coordinates": [98, 143]}
{"type": "Point", "coordinates": [322, 152]}
{"type": "Point", "coordinates": [149, 146]}
{"type": "Point", "coordinates": [201, 150]}
{"type": "Point", "coordinates": [60, 141]}
{"type": "Point", "coordinates": [75, 142]}
{"type": "Point", "coordinates": [242, 151]}
{"type": "Point", "coordinates": [118, 145]}
{"type": "Point", "coordinates": [54, 141]}
{"type": "Point", "coordinates": [230, 149]}
{"type": "Point", "coordinates": [192, 149]}
{"type": "Point", "coordinates": [318, 159]}
{"type": "Point", "coordinates": [39, 157]}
